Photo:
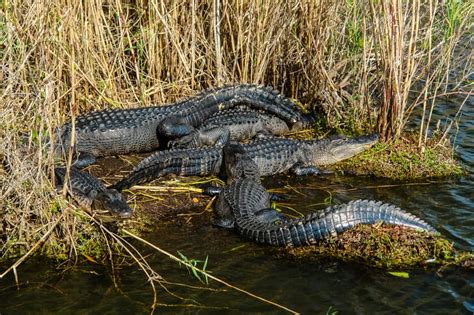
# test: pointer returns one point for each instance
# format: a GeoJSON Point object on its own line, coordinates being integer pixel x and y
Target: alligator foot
{"type": "Point", "coordinates": [279, 197]}
{"type": "Point", "coordinates": [305, 170]}
{"type": "Point", "coordinates": [83, 159]}
{"type": "Point", "coordinates": [211, 190]}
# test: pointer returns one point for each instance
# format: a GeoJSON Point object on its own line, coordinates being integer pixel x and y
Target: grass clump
{"type": "Point", "coordinates": [387, 247]}
{"type": "Point", "coordinates": [401, 159]}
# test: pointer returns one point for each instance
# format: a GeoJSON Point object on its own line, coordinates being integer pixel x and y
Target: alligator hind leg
{"type": "Point", "coordinates": [172, 128]}
{"type": "Point", "coordinates": [215, 136]}
{"type": "Point", "coordinates": [269, 215]}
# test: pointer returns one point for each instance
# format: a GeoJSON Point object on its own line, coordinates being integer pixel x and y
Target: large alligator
{"type": "Point", "coordinates": [239, 124]}
{"type": "Point", "coordinates": [245, 206]}
{"type": "Point", "coordinates": [92, 195]}
{"type": "Point", "coordinates": [272, 156]}
{"type": "Point", "coordinates": [121, 131]}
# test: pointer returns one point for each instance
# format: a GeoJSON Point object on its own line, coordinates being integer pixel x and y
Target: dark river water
{"type": "Point", "coordinates": [308, 287]}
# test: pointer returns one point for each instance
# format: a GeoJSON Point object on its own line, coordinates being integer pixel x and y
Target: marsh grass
{"type": "Point", "coordinates": [400, 159]}
{"type": "Point", "coordinates": [355, 62]}
{"type": "Point", "coordinates": [388, 248]}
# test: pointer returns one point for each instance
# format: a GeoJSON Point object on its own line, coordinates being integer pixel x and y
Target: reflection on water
{"type": "Point", "coordinates": [305, 287]}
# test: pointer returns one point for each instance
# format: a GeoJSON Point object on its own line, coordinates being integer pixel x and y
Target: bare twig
{"type": "Point", "coordinates": [173, 257]}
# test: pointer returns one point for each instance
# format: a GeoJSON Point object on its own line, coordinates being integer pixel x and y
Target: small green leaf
{"type": "Point", "coordinates": [400, 274]}
{"type": "Point", "coordinates": [204, 268]}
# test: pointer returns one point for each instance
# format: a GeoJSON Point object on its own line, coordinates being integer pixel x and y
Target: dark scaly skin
{"type": "Point", "coordinates": [279, 155]}
{"type": "Point", "coordinates": [271, 155]}
{"type": "Point", "coordinates": [245, 206]}
{"type": "Point", "coordinates": [241, 124]}
{"type": "Point", "coordinates": [91, 194]}
{"type": "Point", "coordinates": [187, 162]}
{"type": "Point", "coordinates": [121, 131]}
{"type": "Point", "coordinates": [241, 204]}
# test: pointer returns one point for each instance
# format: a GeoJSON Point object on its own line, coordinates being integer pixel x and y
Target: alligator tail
{"type": "Point", "coordinates": [260, 97]}
{"type": "Point", "coordinates": [334, 220]}
{"type": "Point", "coordinates": [272, 101]}
{"type": "Point", "coordinates": [187, 162]}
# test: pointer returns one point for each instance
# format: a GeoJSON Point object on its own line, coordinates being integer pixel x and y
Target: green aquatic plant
{"type": "Point", "coordinates": [192, 264]}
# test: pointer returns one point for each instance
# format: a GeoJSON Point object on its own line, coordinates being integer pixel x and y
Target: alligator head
{"type": "Point", "coordinates": [110, 202]}
{"type": "Point", "coordinates": [329, 151]}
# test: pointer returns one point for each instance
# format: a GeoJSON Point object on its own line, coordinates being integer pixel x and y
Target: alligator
{"type": "Point", "coordinates": [92, 195]}
{"type": "Point", "coordinates": [272, 155]}
{"type": "Point", "coordinates": [244, 205]}
{"type": "Point", "coordinates": [121, 131]}
{"type": "Point", "coordinates": [238, 125]}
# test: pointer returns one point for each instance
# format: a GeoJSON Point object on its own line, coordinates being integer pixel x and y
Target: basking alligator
{"type": "Point", "coordinates": [239, 124]}
{"type": "Point", "coordinates": [245, 206]}
{"type": "Point", "coordinates": [122, 131]}
{"type": "Point", "coordinates": [91, 194]}
{"type": "Point", "coordinates": [271, 155]}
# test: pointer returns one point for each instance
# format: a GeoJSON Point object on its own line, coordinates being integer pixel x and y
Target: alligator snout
{"type": "Point", "coordinates": [113, 202]}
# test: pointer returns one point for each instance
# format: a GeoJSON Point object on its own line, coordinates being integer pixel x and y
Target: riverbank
{"type": "Point", "coordinates": [402, 159]}
{"type": "Point", "coordinates": [388, 248]}
{"type": "Point", "coordinates": [164, 198]}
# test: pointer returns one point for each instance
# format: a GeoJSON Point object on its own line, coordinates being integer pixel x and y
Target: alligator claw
{"type": "Point", "coordinates": [279, 197]}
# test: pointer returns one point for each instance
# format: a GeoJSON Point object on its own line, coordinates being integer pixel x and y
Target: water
{"type": "Point", "coordinates": [307, 287]}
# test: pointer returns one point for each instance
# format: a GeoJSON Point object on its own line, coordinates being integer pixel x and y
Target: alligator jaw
{"type": "Point", "coordinates": [325, 152]}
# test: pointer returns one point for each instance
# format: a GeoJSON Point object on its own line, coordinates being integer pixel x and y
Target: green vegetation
{"type": "Point", "coordinates": [401, 159]}
{"type": "Point", "coordinates": [387, 247]}
{"type": "Point", "coordinates": [195, 263]}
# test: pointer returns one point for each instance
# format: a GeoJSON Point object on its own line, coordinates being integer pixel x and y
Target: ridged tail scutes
{"type": "Point", "coordinates": [189, 162]}
{"type": "Point", "coordinates": [332, 221]}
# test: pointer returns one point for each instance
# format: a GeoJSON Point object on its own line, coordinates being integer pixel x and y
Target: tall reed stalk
{"type": "Point", "coordinates": [414, 45]}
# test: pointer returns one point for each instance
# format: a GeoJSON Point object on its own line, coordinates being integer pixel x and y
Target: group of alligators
{"type": "Point", "coordinates": [205, 133]}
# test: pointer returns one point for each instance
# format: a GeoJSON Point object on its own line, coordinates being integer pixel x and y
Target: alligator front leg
{"type": "Point", "coordinates": [301, 170]}
{"type": "Point", "coordinates": [83, 159]}
{"type": "Point", "coordinates": [172, 128]}
{"type": "Point", "coordinates": [269, 215]}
